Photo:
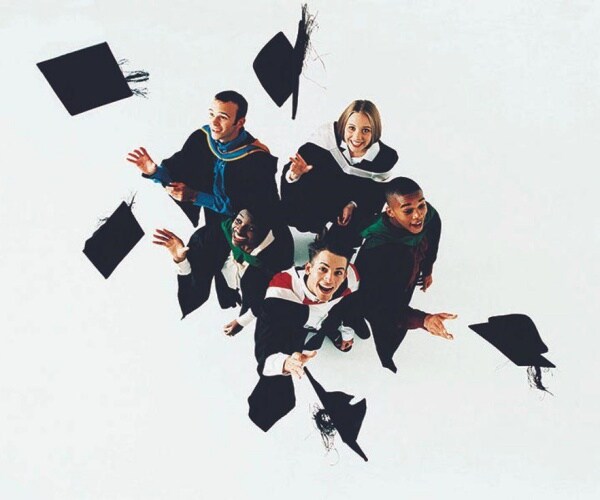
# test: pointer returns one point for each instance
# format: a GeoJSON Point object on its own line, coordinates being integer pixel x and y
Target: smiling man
{"type": "Point", "coordinates": [303, 305]}
{"type": "Point", "coordinates": [241, 254]}
{"type": "Point", "coordinates": [399, 251]}
{"type": "Point", "coordinates": [221, 167]}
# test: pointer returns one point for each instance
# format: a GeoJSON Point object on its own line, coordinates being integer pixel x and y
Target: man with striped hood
{"type": "Point", "coordinates": [302, 306]}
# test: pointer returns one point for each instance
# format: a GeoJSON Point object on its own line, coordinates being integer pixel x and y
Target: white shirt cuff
{"type": "Point", "coordinates": [347, 332]}
{"type": "Point", "coordinates": [274, 364]}
{"type": "Point", "coordinates": [246, 318]}
{"type": "Point", "coordinates": [288, 177]}
{"type": "Point", "coordinates": [184, 267]}
{"type": "Point", "coordinates": [354, 203]}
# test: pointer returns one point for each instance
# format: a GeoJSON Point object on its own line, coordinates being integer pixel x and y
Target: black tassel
{"type": "Point", "coordinates": [534, 376]}
{"type": "Point", "coordinates": [136, 76]}
{"type": "Point", "coordinates": [325, 427]}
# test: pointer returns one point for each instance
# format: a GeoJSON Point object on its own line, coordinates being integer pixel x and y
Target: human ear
{"type": "Point", "coordinates": [307, 268]}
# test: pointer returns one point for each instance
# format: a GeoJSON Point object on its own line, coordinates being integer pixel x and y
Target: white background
{"type": "Point", "coordinates": [493, 107]}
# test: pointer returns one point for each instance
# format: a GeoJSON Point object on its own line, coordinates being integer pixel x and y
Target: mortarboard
{"type": "Point", "coordinates": [346, 418]}
{"type": "Point", "coordinates": [278, 65]}
{"type": "Point", "coordinates": [271, 400]}
{"type": "Point", "coordinates": [89, 78]}
{"type": "Point", "coordinates": [113, 240]}
{"type": "Point", "coordinates": [516, 336]}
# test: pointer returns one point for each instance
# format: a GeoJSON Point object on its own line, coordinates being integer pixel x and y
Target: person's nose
{"type": "Point", "coordinates": [328, 278]}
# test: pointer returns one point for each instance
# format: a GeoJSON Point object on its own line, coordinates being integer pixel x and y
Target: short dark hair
{"type": "Point", "coordinates": [331, 245]}
{"type": "Point", "coordinates": [235, 98]}
{"type": "Point", "coordinates": [401, 186]}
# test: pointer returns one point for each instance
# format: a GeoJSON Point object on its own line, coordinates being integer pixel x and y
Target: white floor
{"type": "Point", "coordinates": [493, 107]}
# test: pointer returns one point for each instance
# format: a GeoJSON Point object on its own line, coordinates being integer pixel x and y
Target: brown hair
{"type": "Point", "coordinates": [372, 113]}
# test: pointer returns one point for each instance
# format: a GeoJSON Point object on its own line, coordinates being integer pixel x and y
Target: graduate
{"type": "Point", "coordinates": [242, 254]}
{"type": "Point", "coordinates": [302, 306]}
{"type": "Point", "coordinates": [339, 175]}
{"type": "Point", "coordinates": [221, 167]}
{"type": "Point", "coordinates": [398, 253]}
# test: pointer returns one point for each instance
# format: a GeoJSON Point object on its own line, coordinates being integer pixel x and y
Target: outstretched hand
{"type": "Point", "coordinates": [172, 243]}
{"type": "Point", "coordinates": [298, 166]}
{"type": "Point", "coordinates": [346, 216]}
{"type": "Point", "coordinates": [181, 192]}
{"type": "Point", "coordinates": [232, 328]}
{"type": "Point", "coordinates": [434, 324]}
{"type": "Point", "coordinates": [142, 160]}
{"type": "Point", "coordinates": [294, 364]}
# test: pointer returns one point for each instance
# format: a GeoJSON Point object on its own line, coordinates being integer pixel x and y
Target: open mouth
{"type": "Point", "coordinates": [237, 239]}
{"type": "Point", "coordinates": [417, 225]}
{"type": "Point", "coordinates": [325, 289]}
{"type": "Point", "coordinates": [356, 145]}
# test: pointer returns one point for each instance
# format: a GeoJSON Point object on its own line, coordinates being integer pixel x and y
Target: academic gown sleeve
{"type": "Point", "coordinates": [383, 288]}
{"type": "Point", "coordinates": [433, 242]}
{"type": "Point", "coordinates": [207, 252]}
{"type": "Point", "coordinates": [279, 328]}
{"type": "Point", "coordinates": [250, 182]}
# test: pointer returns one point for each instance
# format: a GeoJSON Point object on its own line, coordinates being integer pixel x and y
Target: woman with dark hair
{"type": "Point", "coordinates": [338, 175]}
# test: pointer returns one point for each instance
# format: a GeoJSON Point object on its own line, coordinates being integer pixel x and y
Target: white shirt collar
{"type": "Point", "coordinates": [370, 155]}
{"type": "Point", "coordinates": [309, 295]}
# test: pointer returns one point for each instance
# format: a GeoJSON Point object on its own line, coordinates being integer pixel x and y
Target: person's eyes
{"type": "Point", "coordinates": [408, 212]}
{"type": "Point", "coordinates": [366, 130]}
{"type": "Point", "coordinates": [339, 273]}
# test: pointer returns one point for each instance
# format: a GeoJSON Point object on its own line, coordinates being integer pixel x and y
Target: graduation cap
{"type": "Point", "coordinates": [346, 418]}
{"type": "Point", "coordinates": [271, 400]}
{"type": "Point", "coordinates": [278, 65]}
{"type": "Point", "coordinates": [112, 241]}
{"type": "Point", "coordinates": [516, 336]}
{"type": "Point", "coordinates": [89, 78]}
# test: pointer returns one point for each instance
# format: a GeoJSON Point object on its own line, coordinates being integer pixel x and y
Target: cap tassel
{"type": "Point", "coordinates": [534, 376]}
{"type": "Point", "coordinates": [136, 76]}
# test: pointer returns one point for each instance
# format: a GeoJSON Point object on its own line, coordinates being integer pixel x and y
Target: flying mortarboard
{"type": "Point", "coordinates": [516, 336]}
{"type": "Point", "coordinates": [112, 241]}
{"type": "Point", "coordinates": [89, 78]}
{"type": "Point", "coordinates": [346, 418]}
{"type": "Point", "coordinates": [278, 65]}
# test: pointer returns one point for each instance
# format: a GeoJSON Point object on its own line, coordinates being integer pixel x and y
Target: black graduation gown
{"type": "Point", "coordinates": [208, 250]}
{"type": "Point", "coordinates": [320, 195]}
{"type": "Point", "coordinates": [249, 180]}
{"type": "Point", "coordinates": [389, 275]}
{"type": "Point", "coordinates": [280, 328]}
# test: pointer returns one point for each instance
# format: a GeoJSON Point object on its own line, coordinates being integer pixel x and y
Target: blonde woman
{"type": "Point", "coordinates": [337, 177]}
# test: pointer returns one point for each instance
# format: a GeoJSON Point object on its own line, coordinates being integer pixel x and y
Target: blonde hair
{"type": "Point", "coordinates": [371, 112]}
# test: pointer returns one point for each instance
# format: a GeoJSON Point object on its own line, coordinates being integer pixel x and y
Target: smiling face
{"type": "Point", "coordinates": [407, 211]}
{"type": "Point", "coordinates": [244, 234]}
{"type": "Point", "coordinates": [358, 134]}
{"type": "Point", "coordinates": [222, 121]}
{"type": "Point", "coordinates": [325, 274]}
